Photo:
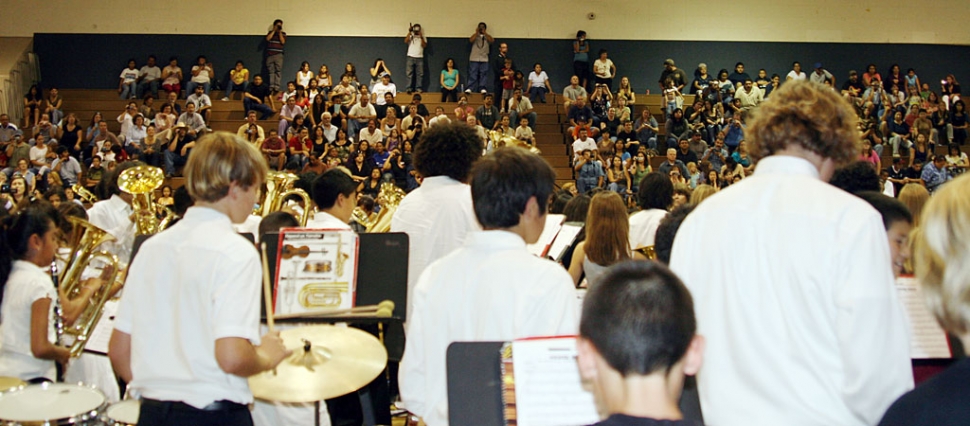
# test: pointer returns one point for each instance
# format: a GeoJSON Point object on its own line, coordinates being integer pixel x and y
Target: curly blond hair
{"type": "Point", "coordinates": [806, 114]}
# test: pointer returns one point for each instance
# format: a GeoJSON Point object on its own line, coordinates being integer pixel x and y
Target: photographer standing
{"type": "Point", "coordinates": [275, 39]}
{"type": "Point", "coordinates": [416, 44]}
{"type": "Point", "coordinates": [481, 40]}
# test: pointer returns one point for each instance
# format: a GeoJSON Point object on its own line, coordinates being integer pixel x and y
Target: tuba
{"type": "Point", "coordinates": [647, 251]}
{"type": "Point", "coordinates": [84, 194]}
{"type": "Point", "coordinates": [141, 182]}
{"type": "Point", "coordinates": [389, 198]}
{"type": "Point", "coordinates": [276, 193]}
{"type": "Point", "coordinates": [86, 238]}
{"type": "Point", "coordinates": [499, 140]}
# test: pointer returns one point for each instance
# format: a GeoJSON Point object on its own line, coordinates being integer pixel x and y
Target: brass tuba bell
{"type": "Point", "coordinates": [276, 193]}
{"type": "Point", "coordinates": [141, 182]}
{"type": "Point", "coordinates": [389, 198]}
{"type": "Point", "coordinates": [499, 140]}
{"type": "Point", "coordinates": [86, 238]}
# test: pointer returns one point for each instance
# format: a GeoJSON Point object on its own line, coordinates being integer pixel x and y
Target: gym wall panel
{"type": "Point", "coordinates": [866, 21]}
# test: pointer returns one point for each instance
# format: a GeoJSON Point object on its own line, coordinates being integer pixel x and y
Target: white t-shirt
{"type": "Point", "coordinates": [38, 153]}
{"type": "Point", "coordinates": [579, 145]}
{"type": "Point", "coordinates": [538, 80]}
{"type": "Point", "coordinates": [643, 227]}
{"type": "Point", "coordinates": [797, 76]}
{"type": "Point", "coordinates": [603, 69]}
{"type": "Point", "coordinates": [27, 284]}
{"type": "Point", "coordinates": [150, 73]}
{"type": "Point", "coordinates": [380, 89]}
{"type": "Point", "coordinates": [203, 76]}
{"type": "Point", "coordinates": [129, 75]}
{"type": "Point", "coordinates": [415, 50]}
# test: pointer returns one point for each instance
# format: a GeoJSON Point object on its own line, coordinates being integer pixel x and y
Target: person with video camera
{"type": "Point", "coordinates": [416, 43]}
{"type": "Point", "coordinates": [275, 39]}
{"type": "Point", "coordinates": [480, 40]}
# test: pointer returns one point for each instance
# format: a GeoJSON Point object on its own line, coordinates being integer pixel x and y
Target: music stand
{"type": "Point", "coordinates": [475, 383]}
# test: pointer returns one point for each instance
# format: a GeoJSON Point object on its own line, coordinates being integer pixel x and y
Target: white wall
{"type": "Point", "coordinates": [869, 21]}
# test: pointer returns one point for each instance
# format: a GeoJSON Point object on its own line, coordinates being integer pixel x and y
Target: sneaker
{"type": "Point", "coordinates": [225, 99]}
{"type": "Point", "coordinates": [418, 90]}
{"type": "Point", "coordinates": [468, 91]}
{"type": "Point", "coordinates": [484, 91]}
{"type": "Point", "coordinates": [409, 91]}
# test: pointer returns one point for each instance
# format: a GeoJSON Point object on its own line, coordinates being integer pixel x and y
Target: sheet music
{"type": "Point", "coordinates": [553, 224]}
{"type": "Point", "coordinates": [99, 338]}
{"type": "Point", "coordinates": [567, 234]}
{"type": "Point", "coordinates": [927, 338]}
{"type": "Point", "coordinates": [548, 390]}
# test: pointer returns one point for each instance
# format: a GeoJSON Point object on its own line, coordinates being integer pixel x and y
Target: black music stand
{"type": "Point", "coordinates": [382, 274]}
{"type": "Point", "coordinates": [475, 383]}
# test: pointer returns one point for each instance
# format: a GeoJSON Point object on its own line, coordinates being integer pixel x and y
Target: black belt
{"type": "Point", "coordinates": [222, 405]}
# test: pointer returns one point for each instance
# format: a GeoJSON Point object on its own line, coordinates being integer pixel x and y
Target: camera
{"type": "Point", "coordinates": [5, 188]}
{"type": "Point", "coordinates": [416, 29]}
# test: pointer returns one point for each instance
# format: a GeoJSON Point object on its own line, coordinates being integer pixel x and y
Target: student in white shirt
{"type": "Point", "coordinates": [438, 215]}
{"type": "Point", "coordinates": [335, 195]}
{"type": "Point", "coordinates": [187, 329]}
{"type": "Point", "coordinates": [654, 195]}
{"type": "Point", "coordinates": [114, 215]}
{"type": "Point", "coordinates": [802, 322]}
{"type": "Point", "coordinates": [490, 288]}
{"type": "Point", "coordinates": [28, 242]}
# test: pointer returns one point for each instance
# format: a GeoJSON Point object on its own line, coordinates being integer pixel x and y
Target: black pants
{"type": "Point", "coordinates": [162, 413]}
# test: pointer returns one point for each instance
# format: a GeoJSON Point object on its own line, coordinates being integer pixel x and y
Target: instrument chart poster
{"type": "Point", "coordinates": [316, 270]}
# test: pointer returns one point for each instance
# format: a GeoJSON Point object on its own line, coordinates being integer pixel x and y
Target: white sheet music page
{"type": "Point", "coordinates": [553, 224]}
{"type": "Point", "coordinates": [927, 338]}
{"type": "Point", "coordinates": [564, 240]}
{"type": "Point", "coordinates": [99, 338]}
{"type": "Point", "coordinates": [548, 390]}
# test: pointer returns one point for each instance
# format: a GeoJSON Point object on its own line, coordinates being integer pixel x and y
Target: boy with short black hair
{"type": "Point", "coordinates": [637, 341]}
{"type": "Point", "coordinates": [490, 288]}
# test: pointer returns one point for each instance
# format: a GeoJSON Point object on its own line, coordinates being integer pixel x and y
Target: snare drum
{"type": "Point", "coordinates": [52, 403]}
{"type": "Point", "coordinates": [124, 413]}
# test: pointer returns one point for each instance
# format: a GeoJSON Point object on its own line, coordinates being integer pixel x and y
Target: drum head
{"type": "Point", "coordinates": [51, 402]}
{"type": "Point", "coordinates": [124, 412]}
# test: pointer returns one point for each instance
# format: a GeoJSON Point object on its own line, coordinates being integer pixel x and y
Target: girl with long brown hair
{"type": "Point", "coordinates": [607, 238]}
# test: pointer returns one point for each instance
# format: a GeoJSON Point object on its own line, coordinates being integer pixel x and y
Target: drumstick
{"type": "Point", "coordinates": [385, 308]}
{"type": "Point", "coordinates": [267, 292]}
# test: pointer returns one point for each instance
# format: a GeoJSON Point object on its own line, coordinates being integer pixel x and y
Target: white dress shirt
{"type": "Point", "coordinates": [491, 289]}
{"type": "Point", "coordinates": [324, 220]}
{"type": "Point", "coordinates": [794, 294]}
{"type": "Point", "coordinates": [113, 215]}
{"type": "Point", "coordinates": [437, 216]}
{"type": "Point", "coordinates": [643, 227]}
{"type": "Point", "coordinates": [195, 283]}
{"type": "Point", "coordinates": [26, 284]}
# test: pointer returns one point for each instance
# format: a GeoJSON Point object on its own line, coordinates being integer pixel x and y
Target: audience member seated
{"type": "Point", "coordinates": [202, 75]}
{"type": "Point", "coordinates": [238, 80]}
{"type": "Point", "coordinates": [172, 76]}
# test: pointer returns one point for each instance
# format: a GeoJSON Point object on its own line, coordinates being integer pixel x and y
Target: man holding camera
{"type": "Point", "coordinates": [275, 40]}
{"type": "Point", "coordinates": [416, 44]}
{"type": "Point", "coordinates": [481, 40]}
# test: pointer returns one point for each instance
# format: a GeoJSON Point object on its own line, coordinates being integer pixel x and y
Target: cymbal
{"type": "Point", "coordinates": [7, 383]}
{"type": "Point", "coordinates": [327, 362]}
